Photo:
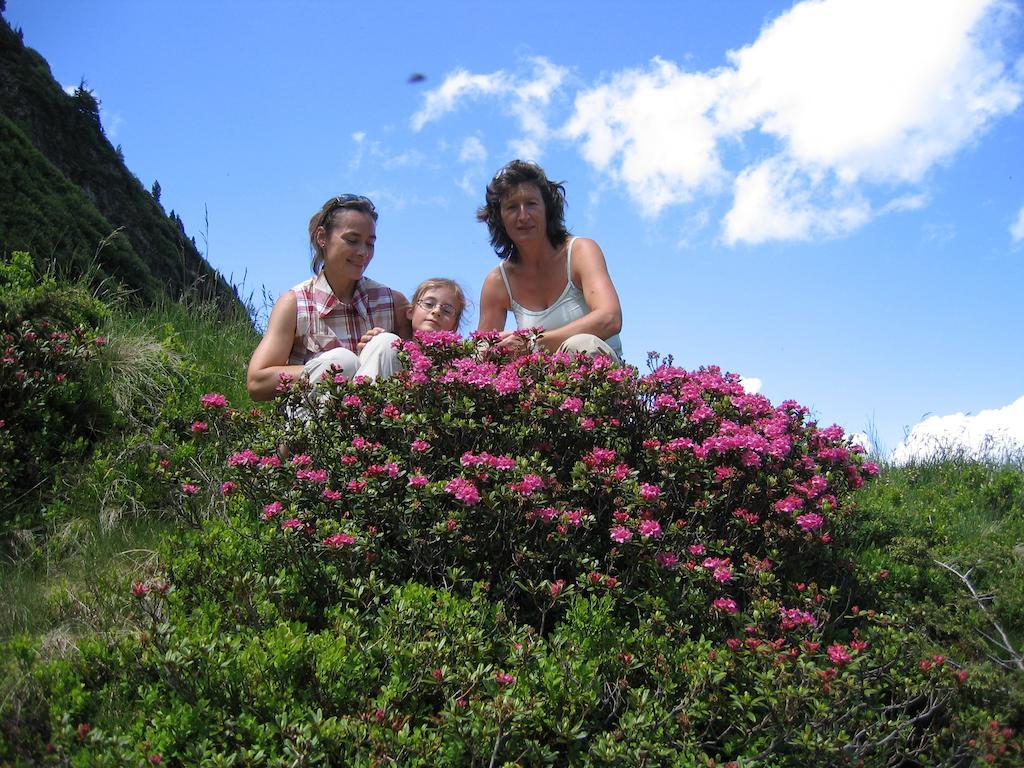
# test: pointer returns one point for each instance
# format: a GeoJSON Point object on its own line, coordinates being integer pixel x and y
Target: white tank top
{"type": "Point", "coordinates": [568, 307]}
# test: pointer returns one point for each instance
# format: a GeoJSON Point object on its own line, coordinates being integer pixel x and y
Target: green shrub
{"type": "Point", "coordinates": [51, 397]}
{"type": "Point", "coordinates": [536, 561]}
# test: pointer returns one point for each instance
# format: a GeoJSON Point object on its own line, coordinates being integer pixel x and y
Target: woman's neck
{"type": "Point", "coordinates": [343, 289]}
{"type": "Point", "coordinates": [537, 255]}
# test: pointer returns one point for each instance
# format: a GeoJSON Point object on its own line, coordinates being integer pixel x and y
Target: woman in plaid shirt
{"type": "Point", "coordinates": [335, 317]}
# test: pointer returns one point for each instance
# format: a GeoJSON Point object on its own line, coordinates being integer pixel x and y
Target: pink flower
{"type": "Point", "coordinates": [318, 476]}
{"type": "Point", "coordinates": [139, 589]}
{"type": "Point", "coordinates": [338, 540]}
{"type": "Point", "coordinates": [649, 529]}
{"type": "Point", "coordinates": [189, 489]}
{"type": "Point", "coordinates": [418, 481]}
{"type": "Point", "coordinates": [420, 446]}
{"type": "Point", "coordinates": [547, 514]}
{"type": "Point", "coordinates": [649, 492]}
{"type": "Point", "coordinates": [302, 460]}
{"type": "Point", "coordinates": [198, 427]}
{"type": "Point", "coordinates": [725, 605]}
{"type": "Point", "coordinates": [212, 399]}
{"type": "Point", "coordinates": [228, 487]}
{"type": "Point", "coordinates": [722, 574]}
{"type": "Point", "coordinates": [504, 678]}
{"type": "Point", "coordinates": [557, 587]}
{"type": "Point", "coordinates": [355, 486]}
{"type": "Point", "coordinates": [272, 509]}
{"type": "Point", "coordinates": [794, 617]}
{"type": "Point", "coordinates": [667, 559]}
{"type": "Point", "coordinates": [696, 549]}
{"type": "Point", "coordinates": [331, 495]}
{"type": "Point", "coordinates": [246, 458]}
{"type": "Point", "coordinates": [838, 654]}
{"type": "Point", "coordinates": [351, 401]}
{"type": "Point", "coordinates": [573, 404]}
{"type": "Point", "coordinates": [528, 485]}
{"type": "Point", "coordinates": [789, 504]}
{"type": "Point", "coordinates": [293, 523]}
{"type": "Point", "coordinates": [621, 534]}
{"type": "Point", "coordinates": [390, 412]}
{"type": "Point", "coordinates": [810, 521]}
{"type": "Point", "coordinates": [463, 490]}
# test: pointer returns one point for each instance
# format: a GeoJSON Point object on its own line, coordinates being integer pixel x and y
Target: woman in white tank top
{"type": "Point", "coordinates": [547, 278]}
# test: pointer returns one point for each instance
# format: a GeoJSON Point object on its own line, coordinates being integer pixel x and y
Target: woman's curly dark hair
{"type": "Point", "coordinates": [510, 176]}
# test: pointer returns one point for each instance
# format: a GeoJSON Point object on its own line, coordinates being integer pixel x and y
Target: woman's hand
{"type": "Point", "coordinates": [365, 339]}
{"type": "Point", "coordinates": [514, 342]}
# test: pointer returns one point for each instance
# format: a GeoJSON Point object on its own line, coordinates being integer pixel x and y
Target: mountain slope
{"type": "Point", "coordinates": [65, 188]}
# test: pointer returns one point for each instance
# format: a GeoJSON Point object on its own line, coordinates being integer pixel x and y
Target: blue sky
{"type": "Point", "coordinates": [826, 197]}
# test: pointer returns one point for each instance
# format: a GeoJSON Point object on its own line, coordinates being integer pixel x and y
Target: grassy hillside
{"type": "Point", "coordinates": [523, 562]}
{"type": "Point", "coordinates": [64, 189]}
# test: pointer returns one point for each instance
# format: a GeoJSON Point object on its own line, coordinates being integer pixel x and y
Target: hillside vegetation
{"type": "Point", "coordinates": [484, 561]}
{"type": "Point", "coordinates": [64, 189]}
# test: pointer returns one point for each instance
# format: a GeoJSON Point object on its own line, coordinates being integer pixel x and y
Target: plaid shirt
{"type": "Point", "coordinates": [324, 322]}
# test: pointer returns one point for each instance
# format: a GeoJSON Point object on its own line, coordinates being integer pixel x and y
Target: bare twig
{"type": "Point", "coordinates": [1004, 642]}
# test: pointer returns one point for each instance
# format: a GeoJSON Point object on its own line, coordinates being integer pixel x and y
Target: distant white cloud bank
{"type": "Point", "coordinates": [992, 434]}
{"type": "Point", "coordinates": [855, 102]}
{"type": "Point", "coordinates": [1017, 228]}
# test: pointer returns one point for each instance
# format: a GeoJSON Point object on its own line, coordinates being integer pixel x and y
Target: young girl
{"type": "Point", "coordinates": [437, 305]}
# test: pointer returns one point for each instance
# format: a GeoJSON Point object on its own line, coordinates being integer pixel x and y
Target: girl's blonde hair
{"type": "Point", "coordinates": [443, 282]}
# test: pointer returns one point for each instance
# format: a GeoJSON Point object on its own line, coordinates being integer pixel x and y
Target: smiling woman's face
{"type": "Point", "coordinates": [523, 214]}
{"type": "Point", "coordinates": [348, 247]}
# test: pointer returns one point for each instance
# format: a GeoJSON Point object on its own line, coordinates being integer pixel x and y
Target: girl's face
{"type": "Point", "coordinates": [348, 247]}
{"type": "Point", "coordinates": [436, 309]}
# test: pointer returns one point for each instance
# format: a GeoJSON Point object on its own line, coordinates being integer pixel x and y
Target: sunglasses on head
{"type": "Point", "coordinates": [344, 201]}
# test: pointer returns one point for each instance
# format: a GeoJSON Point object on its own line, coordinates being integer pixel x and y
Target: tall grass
{"type": "Point", "coordinates": [108, 515]}
{"type": "Point", "coordinates": [951, 510]}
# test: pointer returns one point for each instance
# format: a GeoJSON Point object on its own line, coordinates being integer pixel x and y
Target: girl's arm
{"type": "Point", "coordinates": [270, 359]}
{"type": "Point", "coordinates": [403, 323]}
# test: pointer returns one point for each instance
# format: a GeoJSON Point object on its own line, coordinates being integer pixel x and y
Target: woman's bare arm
{"type": "Point", "coordinates": [590, 273]}
{"type": "Point", "coordinates": [270, 359]}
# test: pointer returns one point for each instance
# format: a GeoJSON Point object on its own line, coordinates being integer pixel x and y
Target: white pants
{"type": "Point", "coordinates": [378, 360]}
{"type": "Point", "coordinates": [588, 344]}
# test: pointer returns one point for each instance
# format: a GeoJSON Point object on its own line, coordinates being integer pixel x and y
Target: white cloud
{"type": "Point", "coordinates": [651, 130]}
{"type": "Point", "coordinates": [750, 384]}
{"type": "Point", "coordinates": [525, 97]}
{"type": "Point", "coordinates": [458, 86]}
{"type": "Point", "coordinates": [409, 159]}
{"type": "Point", "coordinates": [472, 151]}
{"type": "Point", "coordinates": [880, 89]}
{"type": "Point", "coordinates": [1017, 228]}
{"type": "Point", "coordinates": [856, 97]}
{"type": "Point", "coordinates": [990, 434]}
{"type": "Point", "coordinates": [779, 200]}
{"type": "Point", "coordinates": [863, 440]}
{"type": "Point", "coordinates": [848, 105]}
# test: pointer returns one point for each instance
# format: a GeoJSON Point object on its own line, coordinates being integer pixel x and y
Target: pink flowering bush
{"type": "Point", "coordinates": [535, 560]}
{"type": "Point", "coordinates": [51, 407]}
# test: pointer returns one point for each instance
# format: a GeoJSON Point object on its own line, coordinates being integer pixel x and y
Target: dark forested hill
{"type": "Point", "coordinates": [64, 189]}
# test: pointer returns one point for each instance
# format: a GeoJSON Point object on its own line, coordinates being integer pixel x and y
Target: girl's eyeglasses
{"type": "Point", "coordinates": [430, 305]}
